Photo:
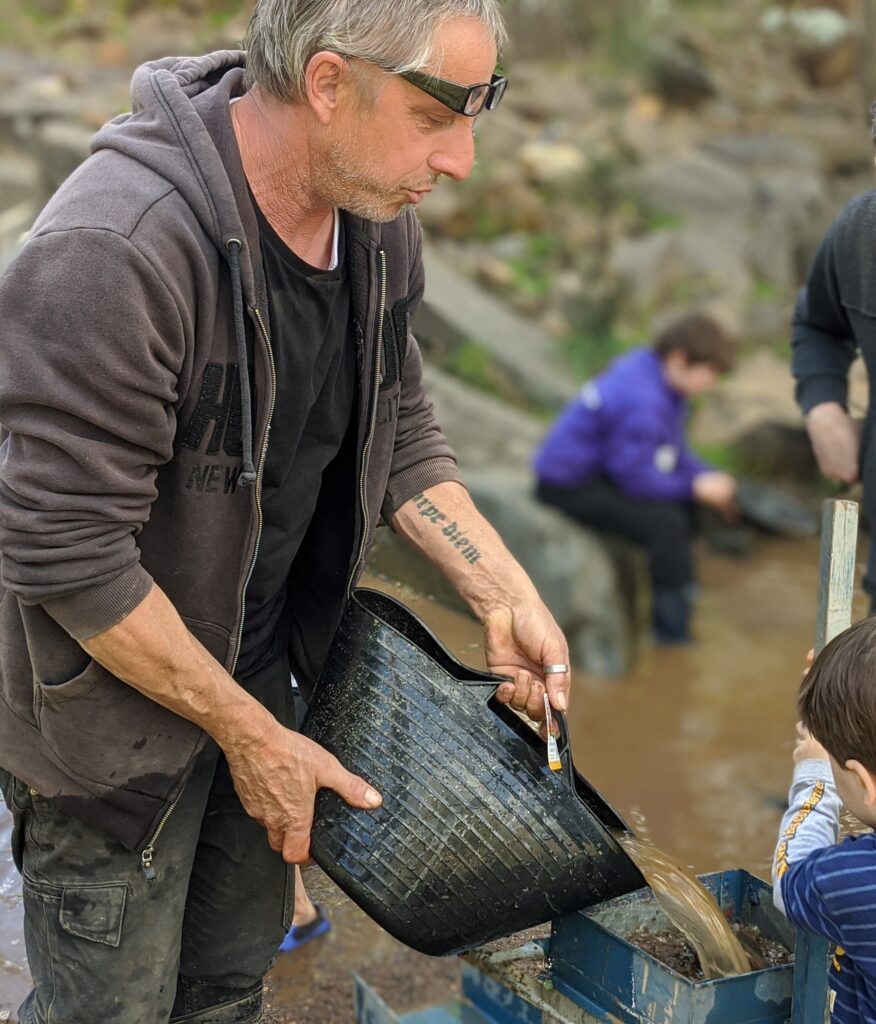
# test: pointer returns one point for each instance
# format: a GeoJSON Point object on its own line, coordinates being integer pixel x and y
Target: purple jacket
{"type": "Point", "coordinates": [627, 424]}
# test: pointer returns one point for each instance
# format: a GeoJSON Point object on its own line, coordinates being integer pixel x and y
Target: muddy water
{"type": "Point", "coordinates": [694, 749]}
{"type": "Point", "coordinates": [691, 908]}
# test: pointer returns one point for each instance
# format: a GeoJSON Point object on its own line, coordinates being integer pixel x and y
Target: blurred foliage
{"type": "Point", "coordinates": [725, 457]}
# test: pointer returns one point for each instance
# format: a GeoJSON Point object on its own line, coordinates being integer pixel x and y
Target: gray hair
{"type": "Point", "coordinates": [398, 35]}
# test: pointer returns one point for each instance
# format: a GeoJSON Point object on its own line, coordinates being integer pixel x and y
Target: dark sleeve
{"type": "Point", "coordinates": [822, 341]}
{"type": "Point", "coordinates": [91, 353]}
{"type": "Point", "coordinates": [421, 457]}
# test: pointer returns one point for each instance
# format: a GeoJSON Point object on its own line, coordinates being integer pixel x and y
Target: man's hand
{"type": "Point", "coordinates": [519, 641]}
{"type": "Point", "coordinates": [836, 441]}
{"type": "Point", "coordinates": [717, 490]}
{"type": "Point", "coordinates": [807, 748]}
{"type": "Point", "coordinates": [277, 780]}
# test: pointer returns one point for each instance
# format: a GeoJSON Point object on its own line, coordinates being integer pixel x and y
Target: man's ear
{"type": "Point", "coordinates": [866, 779]}
{"type": "Point", "coordinates": [327, 72]}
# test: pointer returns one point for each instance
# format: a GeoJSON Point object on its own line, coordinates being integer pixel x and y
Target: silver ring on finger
{"type": "Point", "coordinates": [555, 670]}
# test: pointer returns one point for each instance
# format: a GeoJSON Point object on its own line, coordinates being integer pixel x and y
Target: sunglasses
{"type": "Point", "coordinates": [461, 99]}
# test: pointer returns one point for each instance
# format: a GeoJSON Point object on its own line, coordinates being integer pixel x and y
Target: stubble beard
{"type": "Point", "coordinates": [343, 180]}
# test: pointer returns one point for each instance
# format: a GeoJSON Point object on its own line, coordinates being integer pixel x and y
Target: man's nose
{"type": "Point", "coordinates": [456, 156]}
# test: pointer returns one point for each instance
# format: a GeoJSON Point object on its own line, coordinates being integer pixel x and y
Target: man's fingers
{"type": "Point", "coordinates": [504, 693]}
{"type": "Point", "coordinates": [557, 685]}
{"type": "Point", "coordinates": [296, 849]}
{"type": "Point", "coordinates": [522, 689]}
{"type": "Point", "coordinates": [349, 787]}
{"type": "Point", "coordinates": [535, 704]}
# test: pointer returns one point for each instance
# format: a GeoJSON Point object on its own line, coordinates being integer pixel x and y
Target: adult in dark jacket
{"type": "Point", "coordinates": [834, 321]}
{"type": "Point", "coordinates": [617, 459]}
{"type": "Point", "coordinates": [237, 258]}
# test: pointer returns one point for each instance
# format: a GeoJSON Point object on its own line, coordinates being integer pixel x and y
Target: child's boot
{"type": "Point", "coordinates": [671, 614]}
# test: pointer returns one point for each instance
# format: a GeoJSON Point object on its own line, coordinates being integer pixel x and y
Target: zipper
{"type": "Point", "coordinates": [369, 438]}
{"type": "Point", "coordinates": [148, 855]}
{"type": "Point", "coordinates": [258, 483]}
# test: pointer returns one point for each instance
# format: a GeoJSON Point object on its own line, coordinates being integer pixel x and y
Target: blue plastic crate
{"type": "Point", "coordinates": [595, 965]}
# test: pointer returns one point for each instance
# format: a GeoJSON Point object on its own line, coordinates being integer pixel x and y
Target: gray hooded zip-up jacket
{"type": "Point", "coordinates": [136, 387]}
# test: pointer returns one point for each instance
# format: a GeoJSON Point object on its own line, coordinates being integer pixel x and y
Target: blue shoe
{"type": "Point", "coordinates": [300, 935]}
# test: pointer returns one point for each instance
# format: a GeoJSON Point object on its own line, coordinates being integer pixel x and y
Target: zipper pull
{"type": "Point", "coordinates": [146, 862]}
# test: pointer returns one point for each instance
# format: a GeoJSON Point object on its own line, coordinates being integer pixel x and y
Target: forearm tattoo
{"type": "Point", "coordinates": [449, 529]}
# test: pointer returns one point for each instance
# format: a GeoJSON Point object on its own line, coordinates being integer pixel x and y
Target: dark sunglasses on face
{"type": "Point", "coordinates": [461, 99]}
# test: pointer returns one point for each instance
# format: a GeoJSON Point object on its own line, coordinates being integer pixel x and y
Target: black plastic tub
{"type": "Point", "coordinates": [477, 838]}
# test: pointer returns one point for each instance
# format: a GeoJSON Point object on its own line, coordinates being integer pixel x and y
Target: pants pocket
{"type": "Point", "coordinates": [91, 912]}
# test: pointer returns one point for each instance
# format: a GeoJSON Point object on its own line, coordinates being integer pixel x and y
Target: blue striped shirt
{"type": "Point", "coordinates": [831, 892]}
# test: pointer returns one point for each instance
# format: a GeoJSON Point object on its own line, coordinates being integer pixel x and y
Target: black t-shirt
{"type": "Point", "coordinates": [315, 362]}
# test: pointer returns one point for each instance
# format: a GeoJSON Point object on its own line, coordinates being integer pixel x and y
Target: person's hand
{"type": "Point", "coordinates": [808, 748]}
{"type": "Point", "coordinates": [836, 441]}
{"type": "Point", "coordinates": [520, 641]}
{"type": "Point", "coordinates": [717, 490]}
{"type": "Point", "coordinates": [277, 780]}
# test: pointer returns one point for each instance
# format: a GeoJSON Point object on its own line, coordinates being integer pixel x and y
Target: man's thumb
{"type": "Point", "coordinates": [354, 790]}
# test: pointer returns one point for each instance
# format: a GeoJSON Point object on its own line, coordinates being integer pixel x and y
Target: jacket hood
{"type": "Point", "coordinates": [165, 131]}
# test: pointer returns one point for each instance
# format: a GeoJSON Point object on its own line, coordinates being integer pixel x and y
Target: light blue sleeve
{"type": "Point", "coordinates": [810, 823]}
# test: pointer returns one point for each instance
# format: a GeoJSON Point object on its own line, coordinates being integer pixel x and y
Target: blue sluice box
{"type": "Point", "coordinates": [595, 965]}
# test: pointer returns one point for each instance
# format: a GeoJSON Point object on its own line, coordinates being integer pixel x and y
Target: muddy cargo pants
{"type": "Point", "coordinates": [107, 945]}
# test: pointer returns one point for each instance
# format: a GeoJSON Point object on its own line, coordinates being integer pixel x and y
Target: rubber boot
{"type": "Point", "coordinates": [671, 614]}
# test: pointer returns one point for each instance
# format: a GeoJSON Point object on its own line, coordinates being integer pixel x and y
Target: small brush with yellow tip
{"type": "Point", "coordinates": [554, 762]}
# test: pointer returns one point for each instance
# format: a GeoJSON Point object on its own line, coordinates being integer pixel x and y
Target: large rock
{"type": "Point", "coordinates": [701, 264]}
{"type": "Point", "coordinates": [482, 430]}
{"type": "Point", "coordinates": [791, 209]}
{"type": "Point", "coordinates": [678, 74]}
{"type": "Point", "coordinates": [456, 311]}
{"type": "Point", "coordinates": [693, 184]}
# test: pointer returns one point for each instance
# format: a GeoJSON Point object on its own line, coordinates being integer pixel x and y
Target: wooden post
{"type": "Point", "coordinates": [839, 536]}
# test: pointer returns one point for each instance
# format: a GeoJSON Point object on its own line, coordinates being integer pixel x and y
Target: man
{"type": "Point", "coordinates": [834, 319]}
{"type": "Point", "coordinates": [209, 395]}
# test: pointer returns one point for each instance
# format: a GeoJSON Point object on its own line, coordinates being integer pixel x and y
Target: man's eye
{"type": "Point", "coordinates": [435, 123]}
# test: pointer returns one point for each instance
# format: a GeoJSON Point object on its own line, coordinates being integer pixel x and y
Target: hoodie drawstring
{"type": "Point", "coordinates": [248, 474]}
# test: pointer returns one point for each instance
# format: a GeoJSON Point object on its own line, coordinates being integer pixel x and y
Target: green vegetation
{"type": "Point", "coordinates": [764, 290]}
{"type": "Point", "coordinates": [534, 271]}
{"type": "Point", "coordinates": [475, 366]}
{"type": "Point", "coordinates": [589, 353]}
{"type": "Point", "coordinates": [724, 457]}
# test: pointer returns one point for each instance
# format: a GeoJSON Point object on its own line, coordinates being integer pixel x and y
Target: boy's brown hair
{"type": "Point", "coordinates": [700, 338]}
{"type": "Point", "coordinates": [837, 700]}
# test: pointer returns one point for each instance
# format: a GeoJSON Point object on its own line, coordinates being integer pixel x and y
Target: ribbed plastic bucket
{"type": "Point", "coordinates": [477, 838]}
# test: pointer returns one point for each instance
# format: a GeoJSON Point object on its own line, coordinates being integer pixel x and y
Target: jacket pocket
{"type": "Point", "coordinates": [104, 731]}
{"type": "Point", "coordinates": [395, 343]}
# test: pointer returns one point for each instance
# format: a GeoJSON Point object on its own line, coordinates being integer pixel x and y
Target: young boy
{"type": "Point", "coordinates": [826, 888]}
{"type": "Point", "coordinates": [617, 458]}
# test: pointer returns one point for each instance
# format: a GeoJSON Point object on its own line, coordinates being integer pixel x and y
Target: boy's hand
{"type": "Point", "coordinates": [807, 747]}
{"type": "Point", "coordinates": [717, 490]}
